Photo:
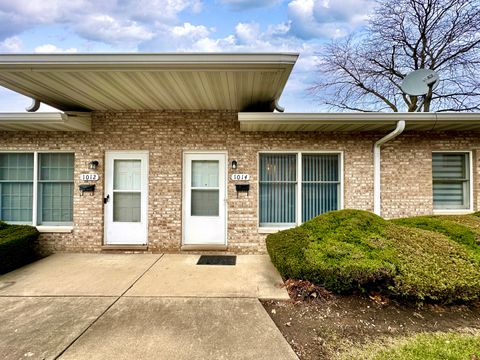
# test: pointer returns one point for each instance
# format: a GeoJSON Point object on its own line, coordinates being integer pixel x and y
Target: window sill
{"type": "Point", "coordinates": [55, 229]}
{"type": "Point", "coordinates": [453, 212]}
{"type": "Point", "coordinates": [270, 230]}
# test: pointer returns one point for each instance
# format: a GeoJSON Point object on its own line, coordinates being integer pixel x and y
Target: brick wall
{"type": "Point", "coordinates": [406, 167]}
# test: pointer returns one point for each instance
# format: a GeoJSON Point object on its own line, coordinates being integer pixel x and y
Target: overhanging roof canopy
{"type": "Point", "coordinates": [186, 81]}
{"type": "Point", "coordinates": [45, 122]}
{"type": "Point", "coordinates": [355, 122]}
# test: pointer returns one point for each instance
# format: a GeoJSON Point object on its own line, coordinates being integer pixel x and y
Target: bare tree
{"type": "Point", "coordinates": [364, 71]}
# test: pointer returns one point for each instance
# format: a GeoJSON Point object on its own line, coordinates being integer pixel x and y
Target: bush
{"type": "Point", "coordinates": [463, 229]}
{"type": "Point", "coordinates": [351, 249]}
{"type": "Point", "coordinates": [16, 246]}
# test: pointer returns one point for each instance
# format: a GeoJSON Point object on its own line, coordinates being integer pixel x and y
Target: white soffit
{"type": "Point", "coordinates": [355, 122]}
{"type": "Point", "coordinates": [168, 81]}
{"type": "Point", "coordinates": [45, 122]}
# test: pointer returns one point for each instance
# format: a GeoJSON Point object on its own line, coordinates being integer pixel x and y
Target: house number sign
{"type": "Point", "coordinates": [240, 177]}
{"type": "Point", "coordinates": [89, 177]}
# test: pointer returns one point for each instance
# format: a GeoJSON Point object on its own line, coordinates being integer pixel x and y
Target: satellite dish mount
{"type": "Point", "coordinates": [419, 83]}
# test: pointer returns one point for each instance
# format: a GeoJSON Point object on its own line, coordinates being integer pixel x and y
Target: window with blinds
{"type": "Point", "coordinates": [55, 188]}
{"type": "Point", "coordinates": [16, 187]}
{"type": "Point", "coordinates": [295, 187]}
{"type": "Point", "coordinates": [451, 180]}
{"type": "Point", "coordinates": [320, 184]}
{"type": "Point", "coordinates": [278, 185]}
{"type": "Point", "coordinates": [50, 192]}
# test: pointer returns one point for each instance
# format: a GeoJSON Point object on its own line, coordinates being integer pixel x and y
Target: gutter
{"type": "Point", "coordinates": [376, 165]}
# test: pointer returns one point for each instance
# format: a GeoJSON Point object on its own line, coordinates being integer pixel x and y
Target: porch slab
{"type": "Point", "coordinates": [41, 328]}
{"type": "Point", "coordinates": [77, 275]}
{"type": "Point", "coordinates": [253, 276]}
{"type": "Point", "coordinates": [182, 328]}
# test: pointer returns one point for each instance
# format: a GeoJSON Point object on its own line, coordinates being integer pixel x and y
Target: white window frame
{"type": "Point", "coordinates": [298, 212]}
{"type": "Point", "coordinates": [42, 228]}
{"type": "Point", "coordinates": [470, 187]}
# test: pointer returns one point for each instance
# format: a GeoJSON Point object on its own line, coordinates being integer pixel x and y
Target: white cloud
{"type": "Point", "coordinates": [190, 31]}
{"type": "Point", "coordinates": [11, 45]}
{"type": "Point", "coordinates": [164, 11]}
{"type": "Point", "coordinates": [107, 29]}
{"type": "Point", "coordinates": [113, 22]}
{"type": "Point", "coordinates": [326, 18]}
{"type": "Point", "coordinates": [50, 48]}
{"type": "Point", "coordinates": [247, 33]}
{"type": "Point", "coordinates": [239, 5]}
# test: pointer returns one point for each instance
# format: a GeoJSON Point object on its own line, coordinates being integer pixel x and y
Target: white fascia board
{"type": "Point", "coordinates": [45, 122]}
{"type": "Point", "coordinates": [427, 119]}
{"type": "Point", "coordinates": [113, 61]}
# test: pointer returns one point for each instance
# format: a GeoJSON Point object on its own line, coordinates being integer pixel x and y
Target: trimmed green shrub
{"type": "Point", "coordinates": [16, 246]}
{"type": "Point", "coordinates": [463, 229]}
{"type": "Point", "coordinates": [351, 249]}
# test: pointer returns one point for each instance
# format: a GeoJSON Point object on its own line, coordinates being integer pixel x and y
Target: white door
{"type": "Point", "coordinates": [204, 199]}
{"type": "Point", "coordinates": [126, 185]}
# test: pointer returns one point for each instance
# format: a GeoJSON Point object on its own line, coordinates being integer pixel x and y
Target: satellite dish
{"type": "Point", "coordinates": [419, 82]}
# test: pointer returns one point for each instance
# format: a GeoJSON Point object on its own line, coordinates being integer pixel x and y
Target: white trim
{"type": "Point", "coordinates": [46, 121]}
{"type": "Point", "coordinates": [54, 229]}
{"type": "Point", "coordinates": [35, 189]}
{"type": "Point", "coordinates": [298, 215]}
{"type": "Point", "coordinates": [298, 209]}
{"type": "Point", "coordinates": [356, 122]}
{"type": "Point", "coordinates": [272, 230]}
{"type": "Point", "coordinates": [184, 189]}
{"type": "Point", "coordinates": [471, 200]}
{"type": "Point", "coordinates": [142, 60]}
{"type": "Point", "coordinates": [127, 155]}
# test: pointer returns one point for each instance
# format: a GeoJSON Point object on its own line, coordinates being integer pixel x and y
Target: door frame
{"type": "Point", "coordinates": [184, 190]}
{"type": "Point", "coordinates": [144, 197]}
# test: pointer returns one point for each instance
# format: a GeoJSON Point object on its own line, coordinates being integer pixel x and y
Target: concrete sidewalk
{"type": "Point", "coordinates": [89, 306]}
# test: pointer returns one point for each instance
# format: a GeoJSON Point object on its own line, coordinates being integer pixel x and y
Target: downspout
{"type": "Point", "coordinates": [376, 165]}
{"type": "Point", "coordinates": [277, 106]}
{"type": "Point", "coordinates": [34, 106]}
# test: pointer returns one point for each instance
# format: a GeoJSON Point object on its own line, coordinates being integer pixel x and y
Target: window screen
{"type": "Point", "coordinates": [320, 184]}
{"type": "Point", "coordinates": [55, 188]}
{"type": "Point", "coordinates": [278, 184]}
{"type": "Point", "coordinates": [451, 181]}
{"type": "Point", "coordinates": [16, 187]}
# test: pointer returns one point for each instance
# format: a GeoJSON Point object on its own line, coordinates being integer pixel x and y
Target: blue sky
{"type": "Point", "coordinates": [51, 26]}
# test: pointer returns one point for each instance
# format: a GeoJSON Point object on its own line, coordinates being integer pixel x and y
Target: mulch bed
{"type": "Point", "coordinates": [319, 324]}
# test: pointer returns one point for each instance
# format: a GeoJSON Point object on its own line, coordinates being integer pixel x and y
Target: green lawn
{"type": "Point", "coordinates": [435, 346]}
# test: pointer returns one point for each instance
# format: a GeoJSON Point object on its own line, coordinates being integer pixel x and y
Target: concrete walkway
{"type": "Point", "coordinates": [87, 306]}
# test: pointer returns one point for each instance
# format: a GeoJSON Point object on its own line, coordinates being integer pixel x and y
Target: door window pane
{"type": "Point", "coordinates": [278, 183]}
{"type": "Point", "coordinates": [127, 174]}
{"type": "Point", "coordinates": [127, 207]}
{"type": "Point", "coordinates": [55, 188]}
{"type": "Point", "coordinates": [320, 184]}
{"type": "Point", "coordinates": [451, 182]}
{"type": "Point", "coordinates": [205, 203]}
{"type": "Point", "coordinates": [205, 173]}
{"type": "Point", "coordinates": [16, 187]}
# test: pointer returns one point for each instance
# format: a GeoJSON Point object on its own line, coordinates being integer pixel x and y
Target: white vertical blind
{"type": "Point", "coordinates": [319, 192]}
{"type": "Point", "coordinates": [320, 184]}
{"type": "Point", "coordinates": [278, 183]}
{"type": "Point", "coordinates": [451, 182]}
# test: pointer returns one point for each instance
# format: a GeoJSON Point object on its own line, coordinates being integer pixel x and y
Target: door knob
{"type": "Point", "coordinates": [105, 199]}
